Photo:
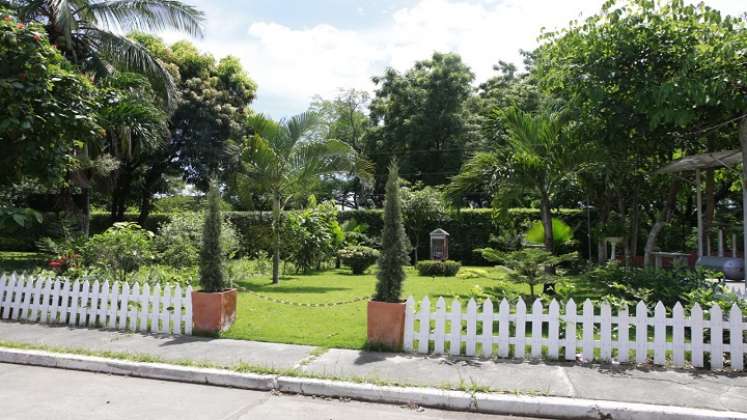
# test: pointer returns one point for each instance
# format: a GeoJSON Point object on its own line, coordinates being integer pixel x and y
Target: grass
{"type": "Point", "coordinates": [20, 261]}
{"type": "Point", "coordinates": [261, 316]}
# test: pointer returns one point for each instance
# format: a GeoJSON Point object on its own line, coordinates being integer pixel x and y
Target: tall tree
{"type": "Point", "coordinates": [420, 116]}
{"type": "Point", "coordinates": [284, 160]}
{"type": "Point", "coordinates": [89, 32]}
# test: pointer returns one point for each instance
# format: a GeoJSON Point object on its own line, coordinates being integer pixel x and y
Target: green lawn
{"type": "Point", "coordinates": [342, 326]}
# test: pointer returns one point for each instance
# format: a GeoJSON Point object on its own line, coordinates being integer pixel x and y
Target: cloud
{"type": "Point", "coordinates": [291, 65]}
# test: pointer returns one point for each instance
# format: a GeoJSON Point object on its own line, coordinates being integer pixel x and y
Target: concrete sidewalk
{"type": "Point", "coordinates": [685, 388]}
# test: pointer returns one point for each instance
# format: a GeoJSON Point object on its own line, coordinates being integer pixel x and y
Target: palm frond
{"type": "Point", "coordinates": [146, 16]}
{"type": "Point", "coordinates": [130, 55]}
{"type": "Point", "coordinates": [63, 18]}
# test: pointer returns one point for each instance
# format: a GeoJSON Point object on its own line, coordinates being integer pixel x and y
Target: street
{"type": "Point", "coordinates": [28, 392]}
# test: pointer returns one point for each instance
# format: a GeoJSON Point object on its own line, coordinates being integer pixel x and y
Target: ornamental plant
{"type": "Point", "coordinates": [396, 247]}
{"type": "Point", "coordinates": [211, 253]}
{"type": "Point", "coordinates": [358, 257]}
{"type": "Point", "coordinates": [433, 268]}
{"type": "Point", "coordinates": [119, 251]}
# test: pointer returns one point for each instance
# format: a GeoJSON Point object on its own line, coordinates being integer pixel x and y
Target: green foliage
{"type": "Point", "coordinates": [627, 286]}
{"type": "Point", "coordinates": [528, 266]}
{"type": "Point", "coordinates": [179, 240]}
{"type": "Point", "coordinates": [211, 252]}
{"type": "Point", "coordinates": [313, 235]}
{"type": "Point", "coordinates": [561, 232]}
{"type": "Point", "coordinates": [119, 251]}
{"type": "Point", "coordinates": [358, 257]}
{"type": "Point", "coordinates": [420, 115]}
{"type": "Point", "coordinates": [421, 207]}
{"type": "Point", "coordinates": [433, 268]}
{"type": "Point", "coordinates": [395, 246]}
{"type": "Point", "coordinates": [46, 107]}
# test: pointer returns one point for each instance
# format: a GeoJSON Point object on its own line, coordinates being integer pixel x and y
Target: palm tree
{"type": "Point", "coordinates": [89, 32]}
{"type": "Point", "coordinates": [286, 161]}
{"type": "Point", "coordinates": [537, 160]}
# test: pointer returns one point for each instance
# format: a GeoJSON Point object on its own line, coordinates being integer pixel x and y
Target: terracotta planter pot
{"type": "Point", "coordinates": [386, 324]}
{"type": "Point", "coordinates": [213, 312]}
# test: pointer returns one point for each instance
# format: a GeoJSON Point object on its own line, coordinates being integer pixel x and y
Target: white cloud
{"type": "Point", "coordinates": [291, 65]}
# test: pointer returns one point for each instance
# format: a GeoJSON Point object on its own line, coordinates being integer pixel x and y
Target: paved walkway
{"type": "Point", "coordinates": [687, 388]}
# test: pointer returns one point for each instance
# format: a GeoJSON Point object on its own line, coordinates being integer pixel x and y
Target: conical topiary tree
{"type": "Point", "coordinates": [396, 246]}
{"type": "Point", "coordinates": [211, 254]}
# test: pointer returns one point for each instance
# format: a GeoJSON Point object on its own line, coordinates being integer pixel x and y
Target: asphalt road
{"type": "Point", "coordinates": [43, 393]}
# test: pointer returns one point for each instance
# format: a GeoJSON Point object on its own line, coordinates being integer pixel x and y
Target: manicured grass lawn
{"type": "Point", "coordinates": [20, 261]}
{"type": "Point", "coordinates": [343, 325]}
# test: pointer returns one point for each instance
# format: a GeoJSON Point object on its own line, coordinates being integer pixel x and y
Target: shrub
{"type": "Point", "coordinates": [313, 235]}
{"type": "Point", "coordinates": [119, 251]}
{"type": "Point", "coordinates": [211, 254]}
{"type": "Point", "coordinates": [432, 268]}
{"type": "Point", "coordinates": [358, 257]}
{"type": "Point", "coordinates": [179, 239]}
{"type": "Point", "coordinates": [396, 247]}
{"type": "Point", "coordinates": [528, 266]}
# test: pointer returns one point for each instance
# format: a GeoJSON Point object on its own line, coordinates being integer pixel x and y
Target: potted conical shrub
{"type": "Point", "coordinates": [386, 312]}
{"type": "Point", "coordinates": [214, 306]}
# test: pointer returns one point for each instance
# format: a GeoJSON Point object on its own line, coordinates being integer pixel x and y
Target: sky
{"type": "Point", "coordinates": [295, 49]}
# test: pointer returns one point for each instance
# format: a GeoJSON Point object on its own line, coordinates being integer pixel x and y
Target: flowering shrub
{"type": "Point", "coordinates": [358, 257]}
{"type": "Point", "coordinates": [119, 251]}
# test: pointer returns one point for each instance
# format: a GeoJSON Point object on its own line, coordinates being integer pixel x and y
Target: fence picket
{"type": "Point", "coordinates": [64, 308]}
{"type": "Point", "coordinates": [717, 337]}
{"type": "Point", "coordinates": [471, 338]}
{"type": "Point", "coordinates": [409, 323]}
{"type": "Point", "coordinates": [124, 306]}
{"type": "Point", "coordinates": [73, 308]}
{"type": "Point", "coordinates": [736, 338]}
{"type": "Point", "coordinates": [104, 305]}
{"type": "Point", "coordinates": [132, 314]}
{"type": "Point", "coordinates": [26, 298]}
{"type": "Point", "coordinates": [660, 334]}
{"type": "Point", "coordinates": [425, 325]}
{"type": "Point", "coordinates": [588, 331]}
{"type": "Point", "coordinates": [84, 305]}
{"type": "Point", "coordinates": [570, 330]}
{"type": "Point", "coordinates": [696, 336]}
{"type": "Point", "coordinates": [178, 310]}
{"type": "Point", "coordinates": [142, 324]}
{"type": "Point", "coordinates": [93, 308]}
{"type": "Point", "coordinates": [44, 301]}
{"type": "Point", "coordinates": [641, 333]}
{"type": "Point", "coordinates": [165, 310]}
{"type": "Point", "coordinates": [487, 328]}
{"type": "Point", "coordinates": [114, 305]}
{"type": "Point", "coordinates": [503, 328]}
{"type": "Point", "coordinates": [553, 330]}
{"type": "Point", "coordinates": [520, 325]}
{"type": "Point", "coordinates": [55, 303]}
{"type": "Point", "coordinates": [678, 335]}
{"type": "Point", "coordinates": [536, 319]}
{"type": "Point", "coordinates": [455, 338]}
{"type": "Point", "coordinates": [3, 287]}
{"type": "Point", "coordinates": [623, 334]}
{"type": "Point", "coordinates": [188, 315]}
{"type": "Point", "coordinates": [156, 308]}
{"type": "Point", "coordinates": [605, 332]}
{"type": "Point", "coordinates": [439, 336]}
{"type": "Point", "coordinates": [17, 296]}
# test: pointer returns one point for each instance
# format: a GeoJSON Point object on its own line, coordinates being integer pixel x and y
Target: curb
{"type": "Point", "coordinates": [516, 405]}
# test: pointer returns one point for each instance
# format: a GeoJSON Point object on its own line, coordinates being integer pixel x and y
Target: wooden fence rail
{"type": "Point", "coordinates": [699, 337]}
{"type": "Point", "coordinates": [79, 303]}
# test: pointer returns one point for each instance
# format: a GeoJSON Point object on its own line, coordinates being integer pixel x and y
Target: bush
{"type": "Point", "coordinates": [430, 268]}
{"type": "Point", "coordinates": [358, 257]}
{"type": "Point", "coordinates": [211, 253]}
{"type": "Point", "coordinates": [179, 239]}
{"type": "Point", "coordinates": [313, 235]}
{"type": "Point", "coordinates": [119, 251]}
{"type": "Point", "coordinates": [394, 241]}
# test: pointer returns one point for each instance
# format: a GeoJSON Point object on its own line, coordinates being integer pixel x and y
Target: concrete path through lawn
{"type": "Point", "coordinates": [627, 383]}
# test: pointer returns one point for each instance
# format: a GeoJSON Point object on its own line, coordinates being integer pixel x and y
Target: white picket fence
{"type": "Point", "coordinates": [115, 306]}
{"type": "Point", "coordinates": [553, 334]}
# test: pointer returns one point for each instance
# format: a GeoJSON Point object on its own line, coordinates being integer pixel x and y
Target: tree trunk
{"type": "Point", "coordinates": [547, 222]}
{"type": "Point", "coordinates": [710, 206]}
{"type": "Point", "coordinates": [85, 214]}
{"type": "Point", "coordinates": [743, 141]}
{"type": "Point", "coordinates": [664, 218]}
{"type": "Point", "coordinates": [276, 239]}
{"type": "Point", "coordinates": [146, 202]}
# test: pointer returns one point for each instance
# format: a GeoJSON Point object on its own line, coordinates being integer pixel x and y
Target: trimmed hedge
{"type": "Point", "coordinates": [469, 229]}
{"type": "Point", "coordinates": [446, 268]}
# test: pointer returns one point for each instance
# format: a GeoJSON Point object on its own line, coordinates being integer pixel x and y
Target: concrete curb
{"type": "Point", "coordinates": [517, 405]}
